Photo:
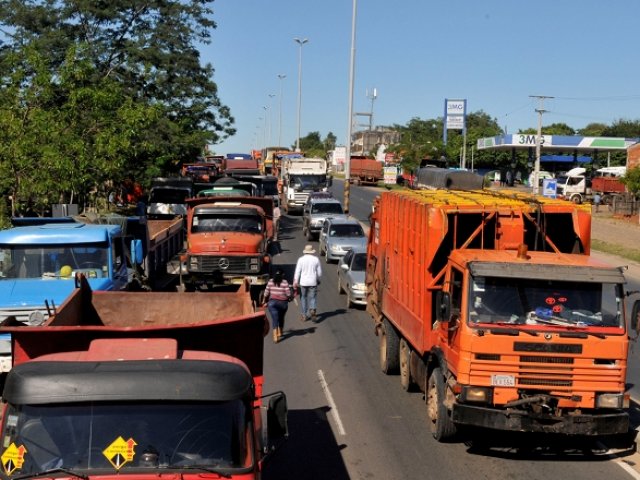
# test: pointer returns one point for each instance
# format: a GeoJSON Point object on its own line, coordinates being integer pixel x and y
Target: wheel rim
{"type": "Point", "coordinates": [432, 404]}
{"type": "Point", "coordinates": [404, 363]}
{"type": "Point", "coordinates": [383, 348]}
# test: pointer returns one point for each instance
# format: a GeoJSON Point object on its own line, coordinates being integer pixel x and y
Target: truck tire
{"type": "Point", "coordinates": [442, 428]}
{"type": "Point", "coordinates": [577, 199]}
{"type": "Point", "coordinates": [405, 369]}
{"type": "Point", "coordinates": [389, 348]}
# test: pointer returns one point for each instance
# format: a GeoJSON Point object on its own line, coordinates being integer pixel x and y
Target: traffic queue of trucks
{"type": "Point", "coordinates": [298, 176]}
{"type": "Point", "coordinates": [116, 384]}
{"type": "Point", "coordinates": [489, 302]}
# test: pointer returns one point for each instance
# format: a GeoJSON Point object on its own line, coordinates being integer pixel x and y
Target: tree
{"type": "Point", "coordinates": [64, 136]}
{"type": "Point", "coordinates": [632, 180]}
{"type": "Point", "coordinates": [312, 146]}
{"type": "Point", "coordinates": [148, 48]}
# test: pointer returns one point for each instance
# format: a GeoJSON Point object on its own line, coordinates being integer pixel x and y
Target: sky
{"type": "Point", "coordinates": [496, 54]}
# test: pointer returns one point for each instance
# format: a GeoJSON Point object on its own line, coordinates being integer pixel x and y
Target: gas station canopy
{"type": "Point", "coordinates": [573, 144]}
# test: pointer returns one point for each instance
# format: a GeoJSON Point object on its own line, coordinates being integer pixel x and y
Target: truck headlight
{"type": "Point", "coordinates": [610, 400]}
{"type": "Point", "coordinates": [473, 394]}
{"type": "Point", "coordinates": [194, 265]}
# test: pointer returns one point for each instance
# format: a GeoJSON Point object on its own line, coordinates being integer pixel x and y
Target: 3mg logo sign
{"type": "Point", "coordinates": [530, 139]}
{"type": "Point", "coordinates": [455, 107]}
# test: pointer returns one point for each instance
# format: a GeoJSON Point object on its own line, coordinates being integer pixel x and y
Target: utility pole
{"type": "Point", "coordinates": [352, 74]}
{"type": "Point", "coordinates": [536, 171]}
{"type": "Point", "coordinates": [300, 42]}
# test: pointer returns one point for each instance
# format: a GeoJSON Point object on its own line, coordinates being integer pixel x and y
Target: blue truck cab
{"type": "Point", "coordinates": [38, 264]}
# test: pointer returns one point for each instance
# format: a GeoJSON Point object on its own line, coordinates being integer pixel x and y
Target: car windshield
{"type": "Point", "coordinates": [327, 207]}
{"type": "Point", "coordinates": [346, 231]}
{"type": "Point", "coordinates": [359, 262]}
{"type": "Point", "coordinates": [118, 437]}
{"type": "Point", "coordinates": [21, 261]}
{"type": "Point", "coordinates": [545, 302]}
{"type": "Point", "coordinates": [226, 223]}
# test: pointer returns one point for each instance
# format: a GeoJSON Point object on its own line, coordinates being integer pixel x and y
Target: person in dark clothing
{"type": "Point", "coordinates": [277, 296]}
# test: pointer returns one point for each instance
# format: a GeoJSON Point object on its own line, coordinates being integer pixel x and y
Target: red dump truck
{"type": "Point", "coordinates": [134, 385]}
{"type": "Point", "coordinates": [228, 242]}
{"type": "Point", "coordinates": [366, 171]}
{"type": "Point", "coordinates": [489, 302]}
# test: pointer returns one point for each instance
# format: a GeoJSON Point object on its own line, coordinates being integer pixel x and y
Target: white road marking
{"type": "Point", "coordinates": [629, 469]}
{"type": "Point", "coordinates": [332, 404]}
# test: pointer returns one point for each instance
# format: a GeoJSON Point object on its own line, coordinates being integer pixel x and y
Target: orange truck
{"type": "Point", "coordinates": [228, 241]}
{"type": "Point", "coordinates": [366, 171]}
{"type": "Point", "coordinates": [140, 385]}
{"type": "Point", "coordinates": [489, 302]}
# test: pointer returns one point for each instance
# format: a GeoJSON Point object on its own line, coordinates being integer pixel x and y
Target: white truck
{"type": "Point", "coordinates": [577, 186]}
{"type": "Point", "coordinates": [299, 176]}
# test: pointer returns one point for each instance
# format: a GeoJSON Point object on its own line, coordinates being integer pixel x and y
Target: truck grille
{"type": "Point", "coordinates": [210, 264]}
{"type": "Point", "coordinates": [550, 372]}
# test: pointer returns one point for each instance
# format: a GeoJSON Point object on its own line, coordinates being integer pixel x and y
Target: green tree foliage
{"type": "Point", "coordinates": [632, 180]}
{"type": "Point", "coordinates": [421, 141]}
{"type": "Point", "coordinates": [141, 55]}
{"type": "Point", "coordinates": [593, 130]}
{"type": "Point", "coordinates": [312, 145]}
{"type": "Point", "coordinates": [65, 136]}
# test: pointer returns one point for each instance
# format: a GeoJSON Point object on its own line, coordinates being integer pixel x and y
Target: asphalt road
{"type": "Point", "coordinates": [347, 420]}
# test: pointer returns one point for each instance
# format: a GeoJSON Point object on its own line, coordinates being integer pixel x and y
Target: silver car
{"type": "Point", "coordinates": [351, 270]}
{"type": "Point", "coordinates": [338, 236]}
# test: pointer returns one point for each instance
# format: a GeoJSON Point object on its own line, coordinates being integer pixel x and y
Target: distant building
{"type": "Point", "coordinates": [366, 142]}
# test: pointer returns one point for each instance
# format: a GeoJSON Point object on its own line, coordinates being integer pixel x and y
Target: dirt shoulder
{"type": "Point", "coordinates": [616, 235]}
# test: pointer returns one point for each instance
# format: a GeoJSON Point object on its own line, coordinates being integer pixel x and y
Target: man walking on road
{"type": "Point", "coordinates": [307, 278]}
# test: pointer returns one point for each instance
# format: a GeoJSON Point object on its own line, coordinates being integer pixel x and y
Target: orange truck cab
{"type": "Point", "coordinates": [228, 242]}
{"type": "Point", "coordinates": [140, 385]}
{"type": "Point", "coordinates": [489, 302]}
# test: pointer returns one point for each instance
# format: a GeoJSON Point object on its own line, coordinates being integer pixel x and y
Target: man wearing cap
{"type": "Point", "coordinates": [307, 278]}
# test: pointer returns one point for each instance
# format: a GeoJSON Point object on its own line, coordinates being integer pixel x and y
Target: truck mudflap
{"type": "Point", "coordinates": [522, 421]}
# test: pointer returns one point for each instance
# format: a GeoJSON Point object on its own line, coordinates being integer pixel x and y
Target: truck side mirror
{"type": "Point", "coordinates": [635, 312]}
{"type": "Point", "coordinates": [443, 306]}
{"type": "Point", "coordinates": [277, 428]}
{"type": "Point", "coordinates": [136, 252]}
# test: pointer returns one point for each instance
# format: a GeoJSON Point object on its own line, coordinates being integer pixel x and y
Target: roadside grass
{"type": "Point", "coordinates": [628, 253]}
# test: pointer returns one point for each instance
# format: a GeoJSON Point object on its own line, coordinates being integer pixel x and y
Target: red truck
{"type": "Point", "coordinates": [490, 303]}
{"type": "Point", "coordinates": [228, 241]}
{"type": "Point", "coordinates": [366, 171]}
{"type": "Point", "coordinates": [119, 385]}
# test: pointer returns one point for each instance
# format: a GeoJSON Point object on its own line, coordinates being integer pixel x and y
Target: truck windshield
{"type": "Point", "coordinates": [308, 182]}
{"type": "Point", "coordinates": [20, 261]}
{"type": "Point", "coordinates": [226, 223]}
{"type": "Point", "coordinates": [127, 436]}
{"type": "Point", "coordinates": [545, 302]}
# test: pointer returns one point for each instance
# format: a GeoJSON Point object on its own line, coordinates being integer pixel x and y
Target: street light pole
{"type": "Point", "coordinates": [300, 42]}
{"type": "Point", "coordinates": [264, 136]}
{"type": "Point", "coordinates": [271, 95]}
{"type": "Point", "coordinates": [281, 76]}
{"type": "Point", "coordinates": [352, 63]}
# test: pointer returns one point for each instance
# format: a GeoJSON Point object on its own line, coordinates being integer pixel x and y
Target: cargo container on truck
{"type": "Point", "coordinates": [365, 171]}
{"type": "Point", "coordinates": [137, 386]}
{"type": "Point", "coordinates": [489, 302]}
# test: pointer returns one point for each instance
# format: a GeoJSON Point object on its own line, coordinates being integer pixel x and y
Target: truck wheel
{"type": "Point", "coordinates": [389, 348]}
{"type": "Point", "coordinates": [442, 428]}
{"type": "Point", "coordinates": [405, 371]}
{"type": "Point", "coordinates": [577, 199]}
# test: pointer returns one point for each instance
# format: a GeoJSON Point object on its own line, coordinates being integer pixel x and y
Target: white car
{"type": "Point", "coordinates": [338, 236]}
{"type": "Point", "coordinates": [351, 272]}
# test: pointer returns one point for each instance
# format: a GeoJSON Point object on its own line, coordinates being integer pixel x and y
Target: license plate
{"type": "Point", "coordinates": [503, 380]}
